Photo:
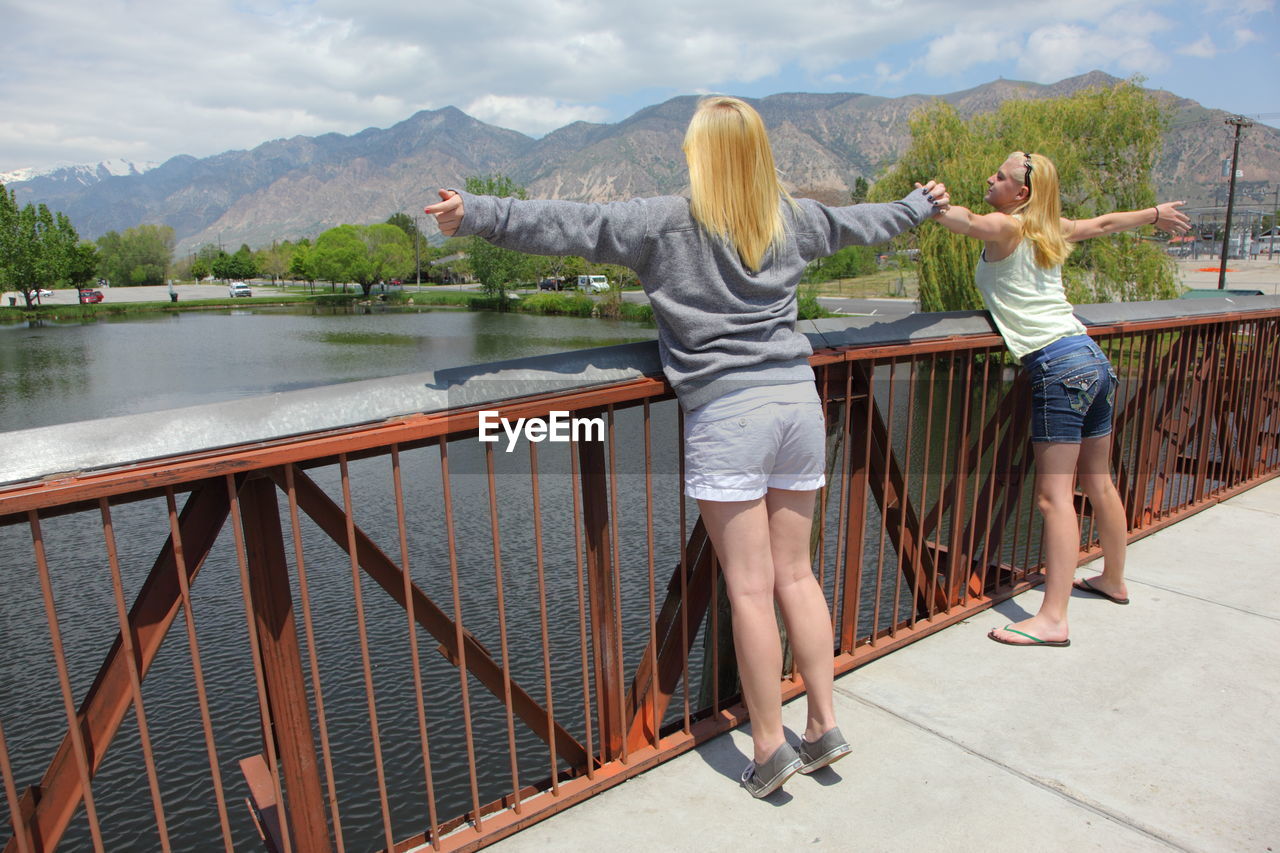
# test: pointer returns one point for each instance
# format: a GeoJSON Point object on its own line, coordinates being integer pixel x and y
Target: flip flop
{"type": "Point", "coordinates": [1035, 641]}
{"type": "Point", "coordinates": [1083, 585]}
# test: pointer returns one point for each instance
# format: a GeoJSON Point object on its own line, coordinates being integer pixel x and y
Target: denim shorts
{"type": "Point", "coordinates": [739, 446]}
{"type": "Point", "coordinates": [1073, 391]}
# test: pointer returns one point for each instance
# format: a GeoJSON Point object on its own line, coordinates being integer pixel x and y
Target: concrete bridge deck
{"type": "Point", "coordinates": [1158, 729]}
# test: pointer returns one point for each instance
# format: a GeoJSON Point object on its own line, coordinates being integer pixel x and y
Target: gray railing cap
{"type": "Point", "coordinates": [130, 439]}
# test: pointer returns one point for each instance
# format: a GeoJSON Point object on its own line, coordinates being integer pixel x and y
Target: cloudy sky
{"type": "Point", "coordinates": [88, 80]}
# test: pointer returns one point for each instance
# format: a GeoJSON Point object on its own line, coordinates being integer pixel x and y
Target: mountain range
{"type": "Point", "coordinates": [298, 187]}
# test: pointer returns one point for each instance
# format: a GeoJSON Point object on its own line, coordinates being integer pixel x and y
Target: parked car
{"type": "Point", "coordinates": [239, 288]}
{"type": "Point", "coordinates": [88, 296]}
{"type": "Point", "coordinates": [551, 284]}
{"type": "Point", "coordinates": [41, 292]}
{"type": "Point", "coordinates": [593, 283]}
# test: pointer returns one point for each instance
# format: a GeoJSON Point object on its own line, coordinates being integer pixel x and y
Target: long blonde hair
{"type": "Point", "coordinates": [1041, 214]}
{"type": "Point", "coordinates": [734, 187]}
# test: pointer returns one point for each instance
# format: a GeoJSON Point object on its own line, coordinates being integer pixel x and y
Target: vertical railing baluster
{"type": "Point", "coordinates": [615, 580]}
{"type": "Point", "coordinates": [543, 623]}
{"type": "Point", "coordinates": [579, 562]}
{"type": "Point", "coordinates": [415, 660]}
{"type": "Point", "coordinates": [499, 592]}
{"type": "Point", "coordinates": [682, 533]}
{"type": "Point", "coordinates": [957, 554]}
{"type": "Point", "coordinates": [840, 463]}
{"type": "Point", "coordinates": [459, 634]}
{"type": "Point", "coordinates": [858, 473]}
{"type": "Point", "coordinates": [131, 667]}
{"type": "Point", "coordinates": [908, 559]}
{"type": "Point", "coordinates": [197, 668]}
{"type": "Point", "coordinates": [600, 575]}
{"type": "Point", "coordinates": [652, 572]}
{"type": "Point", "coordinates": [64, 681]}
{"type": "Point", "coordinates": [20, 831]}
{"type": "Point", "coordinates": [884, 509]}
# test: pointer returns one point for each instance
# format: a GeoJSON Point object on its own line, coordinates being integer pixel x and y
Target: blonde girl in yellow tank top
{"type": "Point", "coordinates": [1025, 242]}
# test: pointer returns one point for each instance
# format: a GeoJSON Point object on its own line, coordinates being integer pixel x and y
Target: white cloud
{"type": "Point", "coordinates": [885, 73]}
{"type": "Point", "coordinates": [1062, 50]}
{"type": "Point", "coordinates": [1203, 48]}
{"type": "Point", "coordinates": [970, 46]}
{"type": "Point", "coordinates": [1245, 36]}
{"type": "Point", "coordinates": [530, 115]}
{"type": "Point", "coordinates": [145, 79]}
{"type": "Point", "coordinates": [1239, 9]}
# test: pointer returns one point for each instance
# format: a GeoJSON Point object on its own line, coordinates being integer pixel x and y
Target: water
{"type": "Point", "coordinates": [62, 372]}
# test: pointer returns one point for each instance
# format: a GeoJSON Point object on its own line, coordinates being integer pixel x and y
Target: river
{"type": "Point", "coordinates": [54, 373]}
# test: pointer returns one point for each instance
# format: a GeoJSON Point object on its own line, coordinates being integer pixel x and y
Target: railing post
{"type": "Point", "coordinates": [282, 666]}
{"type": "Point", "coordinates": [600, 579]}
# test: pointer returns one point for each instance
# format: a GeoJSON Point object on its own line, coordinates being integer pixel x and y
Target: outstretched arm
{"type": "Point", "coordinates": [1166, 217]}
{"type": "Point", "coordinates": [608, 233]}
{"type": "Point", "coordinates": [987, 227]}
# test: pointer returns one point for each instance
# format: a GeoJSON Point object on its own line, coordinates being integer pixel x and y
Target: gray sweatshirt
{"type": "Point", "coordinates": [721, 327]}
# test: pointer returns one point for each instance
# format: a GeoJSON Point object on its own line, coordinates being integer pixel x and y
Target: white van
{"type": "Point", "coordinates": [593, 283]}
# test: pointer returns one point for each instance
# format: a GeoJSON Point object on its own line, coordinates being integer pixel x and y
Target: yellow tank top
{"type": "Point", "coordinates": [1027, 302]}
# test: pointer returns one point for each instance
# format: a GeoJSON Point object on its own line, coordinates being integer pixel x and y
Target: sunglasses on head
{"type": "Point", "coordinates": [1026, 161]}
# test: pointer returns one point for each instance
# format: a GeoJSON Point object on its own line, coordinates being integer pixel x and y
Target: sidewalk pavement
{"type": "Point", "coordinates": [1157, 729]}
{"type": "Point", "coordinates": [1262, 274]}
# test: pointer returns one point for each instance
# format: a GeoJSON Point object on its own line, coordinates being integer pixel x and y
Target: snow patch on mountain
{"type": "Point", "coordinates": [85, 174]}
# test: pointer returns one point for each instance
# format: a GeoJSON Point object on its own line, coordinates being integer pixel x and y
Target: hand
{"type": "Point", "coordinates": [936, 193]}
{"type": "Point", "coordinates": [448, 212]}
{"type": "Point", "coordinates": [1169, 218]}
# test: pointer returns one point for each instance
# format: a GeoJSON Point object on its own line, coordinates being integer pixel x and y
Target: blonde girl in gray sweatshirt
{"type": "Point", "coordinates": [721, 270]}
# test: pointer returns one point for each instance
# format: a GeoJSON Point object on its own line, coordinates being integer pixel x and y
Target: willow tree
{"type": "Point", "coordinates": [1104, 141]}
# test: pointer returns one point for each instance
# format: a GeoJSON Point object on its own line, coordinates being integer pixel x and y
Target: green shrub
{"type": "Point", "coordinates": [568, 304]}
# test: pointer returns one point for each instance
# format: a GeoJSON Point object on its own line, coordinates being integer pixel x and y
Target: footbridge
{"type": "Point", "coordinates": [336, 619]}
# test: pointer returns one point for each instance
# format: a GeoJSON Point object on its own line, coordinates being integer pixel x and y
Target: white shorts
{"type": "Point", "coordinates": [739, 446]}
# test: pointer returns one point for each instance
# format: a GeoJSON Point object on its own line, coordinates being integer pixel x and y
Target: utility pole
{"type": "Point", "coordinates": [1240, 123]}
{"type": "Point", "coordinates": [417, 259]}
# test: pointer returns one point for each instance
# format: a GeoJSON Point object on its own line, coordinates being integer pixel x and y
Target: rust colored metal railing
{"type": "Point", "coordinates": [568, 591]}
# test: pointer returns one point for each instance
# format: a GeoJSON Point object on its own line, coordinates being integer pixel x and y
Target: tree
{"type": "Point", "coordinates": [365, 254]}
{"type": "Point", "coordinates": [38, 249]}
{"type": "Point", "coordinates": [275, 260]}
{"type": "Point", "coordinates": [849, 262]}
{"type": "Point", "coordinates": [409, 225]}
{"type": "Point", "coordinates": [141, 255]}
{"type": "Point", "coordinates": [302, 266]}
{"type": "Point", "coordinates": [1104, 142]}
{"type": "Point", "coordinates": [202, 263]}
{"type": "Point", "coordinates": [496, 268]}
{"type": "Point", "coordinates": [235, 267]}
{"type": "Point", "coordinates": [860, 189]}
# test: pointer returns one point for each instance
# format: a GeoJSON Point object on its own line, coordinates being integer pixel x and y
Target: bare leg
{"type": "Point", "coordinates": [804, 607]}
{"type": "Point", "coordinates": [1108, 512]}
{"type": "Point", "coordinates": [740, 532]}
{"type": "Point", "coordinates": [1055, 487]}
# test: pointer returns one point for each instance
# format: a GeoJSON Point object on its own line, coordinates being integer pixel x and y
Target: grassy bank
{"type": "Point", "coordinates": [568, 304]}
{"type": "Point", "coordinates": [20, 313]}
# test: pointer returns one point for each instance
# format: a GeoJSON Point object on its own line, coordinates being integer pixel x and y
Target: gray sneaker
{"type": "Point", "coordinates": [761, 780]}
{"type": "Point", "coordinates": [829, 748]}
